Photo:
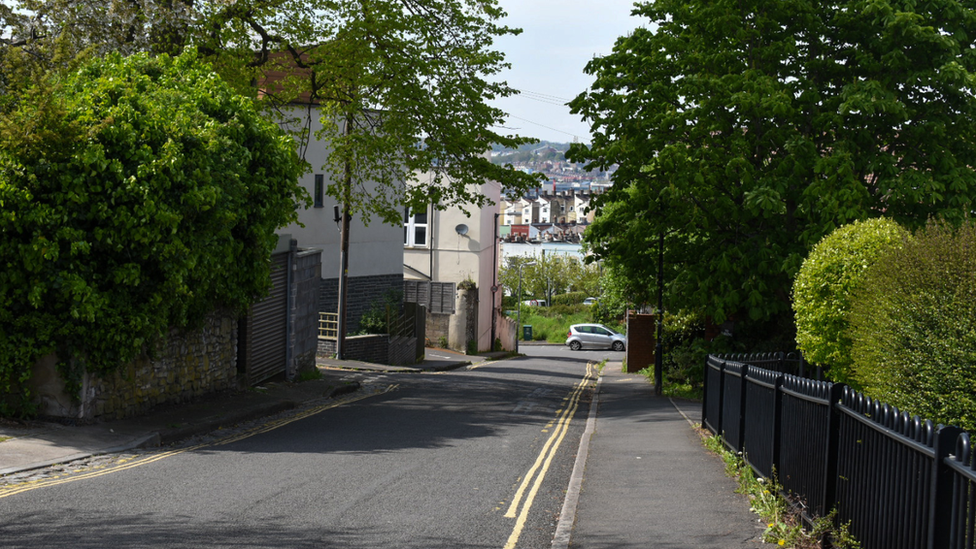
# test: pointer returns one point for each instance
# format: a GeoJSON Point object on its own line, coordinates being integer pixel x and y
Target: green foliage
{"type": "Point", "coordinates": [827, 280]}
{"type": "Point", "coordinates": [784, 525]}
{"type": "Point", "coordinates": [137, 194]}
{"type": "Point", "coordinates": [552, 323]}
{"type": "Point", "coordinates": [746, 131]}
{"type": "Point", "coordinates": [424, 71]}
{"type": "Point", "coordinates": [376, 319]}
{"type": "Point", "coordinates": [570, 298]}
{"type": "Point", "coordinates": [913, 324]}
{"type": "Point", "coordinates": [550, 278]}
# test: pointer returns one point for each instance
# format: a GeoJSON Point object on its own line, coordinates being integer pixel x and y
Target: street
{"type": "Point", "coordinates": [477, 458]}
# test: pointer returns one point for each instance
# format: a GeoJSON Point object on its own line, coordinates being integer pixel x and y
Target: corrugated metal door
{"type": "Point", "coordinates": [265, 342]}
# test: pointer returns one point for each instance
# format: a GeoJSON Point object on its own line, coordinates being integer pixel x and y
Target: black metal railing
{"type": "Point", "coordinates": [900, 481]}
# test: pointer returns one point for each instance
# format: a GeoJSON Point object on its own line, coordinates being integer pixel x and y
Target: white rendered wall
{"type": "Point", "coordinates": [376, 249]}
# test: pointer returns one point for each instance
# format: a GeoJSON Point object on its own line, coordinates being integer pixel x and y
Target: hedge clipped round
{"type": "Point", "coordinates": [914, 327]}
{"type": "Point", "coordinates": [137, 194]}
{"type": "Point", "coordinates": [828, 278]}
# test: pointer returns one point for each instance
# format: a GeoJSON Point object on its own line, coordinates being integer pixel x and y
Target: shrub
{"type": "Point", "coordinates": [571, 298]}
{"type": "Point", "coordinates": [138, 194]}
{"type": "Point", "coordinates": [375, 319]}
{"type": "Point", "coordinates": [828, 278]}
{"type": "Point", "coordinates": [914, 327]}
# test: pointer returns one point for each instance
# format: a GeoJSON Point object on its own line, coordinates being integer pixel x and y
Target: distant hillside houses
{"type": "Point", "coordinates": [555, 212]}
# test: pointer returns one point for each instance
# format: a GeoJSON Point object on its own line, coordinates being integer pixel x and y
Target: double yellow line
{"type": "Point", "coordinates": [152, 458]}
{"type": "Point", "coordinates": [544, 461]}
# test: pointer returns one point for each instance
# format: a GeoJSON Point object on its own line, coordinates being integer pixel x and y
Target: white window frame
{"type": "Point", "coordinates": [410, 226]}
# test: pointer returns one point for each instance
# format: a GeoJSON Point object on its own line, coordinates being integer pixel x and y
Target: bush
{"type": "Point", "coordinates": [138, 194]}
{"type": "Point", "coordinates": [913, 323]}
{"type": "Point", "coordinates": [571, 298]}
{"type": "Point", "coordinates": [375, 319]}
{"type": "Point", "coordinates": [828, 278]}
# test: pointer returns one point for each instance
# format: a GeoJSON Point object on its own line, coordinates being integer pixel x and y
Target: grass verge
{"type": "Point", "coordinates": [784, 526]}
{"type": "Point", "coordinates": [672, 389]}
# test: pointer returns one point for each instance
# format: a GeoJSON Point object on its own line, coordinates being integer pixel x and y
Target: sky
{"type": "Point", "coordinates": [559, 37]}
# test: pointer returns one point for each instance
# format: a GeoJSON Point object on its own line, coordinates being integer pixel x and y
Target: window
{"type": "Point", "coordinates": [414, 228]}
{"type": "Point", "coordinates": [319, 190]}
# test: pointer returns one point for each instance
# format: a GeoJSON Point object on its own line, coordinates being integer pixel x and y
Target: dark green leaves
{"type": "Point", "coordinates": [745, 132]}
{"type": "Point", "coordinates": [158, 205]}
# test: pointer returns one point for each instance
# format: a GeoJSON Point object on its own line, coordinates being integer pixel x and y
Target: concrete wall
{"type": "Point", "coordinates": [506, 330]}
{"type": "Point", "coordinates": [307, 277]}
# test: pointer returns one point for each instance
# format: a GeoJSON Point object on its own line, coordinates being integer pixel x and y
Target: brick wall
{"type": "Point", "coordinates": [372, 348]}
{"type": "Point", "coordinates": [363, 291]}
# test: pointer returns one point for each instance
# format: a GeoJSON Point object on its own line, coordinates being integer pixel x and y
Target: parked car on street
{"type": "Point", "coordinates": [589, 301]}
{"type": "Point", "coordinates": [594, 336]}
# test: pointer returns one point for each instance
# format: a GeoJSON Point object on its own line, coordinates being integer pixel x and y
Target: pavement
{"type": "Point", "coordinates": [642, 478]}
{"type": "Point", "coordinates": [647, 481]}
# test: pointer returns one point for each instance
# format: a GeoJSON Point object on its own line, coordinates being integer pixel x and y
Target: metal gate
{"type": "Point", "coordinates": [263, 341]}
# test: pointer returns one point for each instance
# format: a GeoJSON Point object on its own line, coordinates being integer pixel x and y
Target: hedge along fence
{"type": "Point", "coordinates": [901, 481]}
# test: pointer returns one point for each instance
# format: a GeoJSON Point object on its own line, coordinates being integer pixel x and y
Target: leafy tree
{"type": "Point", "coordinates": [137, 194]}
{"type": "Point", "coordinates": [551, 275]}
{"type": "Point", "coordinates": [421, 70]}
{"type": "Point", "coordinates": [508, 274]}
{"type": "Point", "coordinates": [913, 323]}
{"type": "Point", "coordinates": [826, 284]}
{"type": "Point", "coordinates": [746, 131]}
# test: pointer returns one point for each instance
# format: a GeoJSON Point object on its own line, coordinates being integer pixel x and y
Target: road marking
{"type": "Point", "coordinates": [544, 462]}
{"type": "Point", "coordinates": [152, 458]}
{"type": "Point", "coordinates": [567, 516]}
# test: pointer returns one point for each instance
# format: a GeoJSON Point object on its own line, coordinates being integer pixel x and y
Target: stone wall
{"type": "Point", "coordinates": [438, 327]}
{"type": "Point", "coordinates": [362, 293]}
{"type": "Point", "coordinates": [185, 366]}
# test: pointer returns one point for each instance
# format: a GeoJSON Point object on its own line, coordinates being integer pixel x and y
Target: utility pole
{"type": "Point", "coordinates": [659, 317]}
{"type": "Point", "coordinates": [344, 250]}
{"type": "Point", "coordinates": [494, 282]}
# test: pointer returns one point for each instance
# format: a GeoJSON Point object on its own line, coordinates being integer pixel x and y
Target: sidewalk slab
{"type": "Point", "coordinates": [649, 482]}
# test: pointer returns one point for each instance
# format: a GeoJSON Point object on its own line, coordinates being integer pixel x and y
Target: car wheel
{"type": "Point", "coordinates": [618, 346]}
{"type": "Point", "coordinates": [575, 345]}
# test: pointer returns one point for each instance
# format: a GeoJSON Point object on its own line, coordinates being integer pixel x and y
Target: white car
{"type": "Point", "coordinates": [594, 336]}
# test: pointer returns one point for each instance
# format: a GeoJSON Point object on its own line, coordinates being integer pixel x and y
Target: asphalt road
{"type": "Point", "coordinates": [466, 459]}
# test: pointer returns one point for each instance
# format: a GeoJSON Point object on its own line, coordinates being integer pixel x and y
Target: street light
{"type": "Point", "coordinates": [518, 314]}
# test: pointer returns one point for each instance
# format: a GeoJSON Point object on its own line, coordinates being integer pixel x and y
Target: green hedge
{"type": "Point", "coordinates": [914, 327]}
{"type": "Point", "coordinates": [139, 194]}
{"type": "Point", "coordinates": [828, 278]}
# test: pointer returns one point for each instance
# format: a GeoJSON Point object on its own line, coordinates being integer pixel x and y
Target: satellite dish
{"type": "Point", "coordinates": [461, 229]}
